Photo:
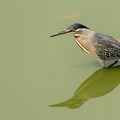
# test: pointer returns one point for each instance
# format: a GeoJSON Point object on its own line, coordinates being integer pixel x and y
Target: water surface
{"type": "Point", "coordinates": [37, 71]}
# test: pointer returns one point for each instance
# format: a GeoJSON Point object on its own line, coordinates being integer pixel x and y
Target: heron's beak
{"type": "Point", "coordinates": [61, 32]}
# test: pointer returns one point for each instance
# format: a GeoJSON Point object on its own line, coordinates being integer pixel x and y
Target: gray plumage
{"type": "Point", "coordinates": [107, 48]}
{"type": "Point", "coordinates": [97, 44]}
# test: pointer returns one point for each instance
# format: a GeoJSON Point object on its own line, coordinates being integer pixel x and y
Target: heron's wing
{"type": "Point", "coordinates": [107, 40]}
{"type": "Point", "coordinates": [107, 47]}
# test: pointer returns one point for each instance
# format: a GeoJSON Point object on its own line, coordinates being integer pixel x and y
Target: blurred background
{"type": "Point", "coordinates": [37, 71]}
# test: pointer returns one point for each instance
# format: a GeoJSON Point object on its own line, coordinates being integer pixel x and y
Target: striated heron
{"type": "Point", "coordinates": [102, 46]}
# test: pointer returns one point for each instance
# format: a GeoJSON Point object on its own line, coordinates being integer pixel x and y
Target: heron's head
{"type": "Point", "coordinates": [71, 29]}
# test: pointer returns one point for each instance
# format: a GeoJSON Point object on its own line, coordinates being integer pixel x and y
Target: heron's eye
{"type": "Point", "coordinates": [72, 30]}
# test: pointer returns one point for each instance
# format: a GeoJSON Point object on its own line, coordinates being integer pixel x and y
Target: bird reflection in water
{"type": "Point", "coordinates": [98, 84]}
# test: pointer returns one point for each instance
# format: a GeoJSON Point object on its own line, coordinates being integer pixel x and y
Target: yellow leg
{"type": "Point", "coordinates": [102, 62]}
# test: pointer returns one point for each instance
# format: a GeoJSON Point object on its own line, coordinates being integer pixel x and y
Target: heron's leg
{"type": "Point", "coordinates": [113, 63]}
{"type": "Point", "coordinates": [102, 62]}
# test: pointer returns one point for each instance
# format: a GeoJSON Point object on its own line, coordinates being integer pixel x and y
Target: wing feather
{"type": "Point", "coordinates": [107, 47]}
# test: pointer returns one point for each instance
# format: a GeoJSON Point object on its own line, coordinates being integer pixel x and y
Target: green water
{"type": "Point", "coordinates": [37, 71]}
{"type": "Point", "coordinates": [101, 82]}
